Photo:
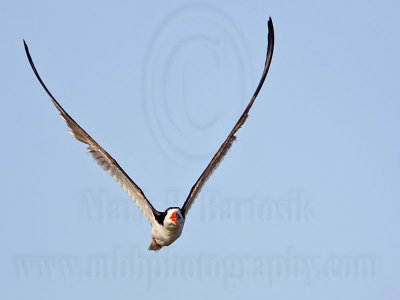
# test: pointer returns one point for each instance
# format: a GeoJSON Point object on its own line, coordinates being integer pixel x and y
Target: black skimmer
{"type": "Point", "coordinates": [166, 226]}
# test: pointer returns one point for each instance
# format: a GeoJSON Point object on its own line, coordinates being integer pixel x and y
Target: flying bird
{"type": "Point", "coordinates": [166, 226]}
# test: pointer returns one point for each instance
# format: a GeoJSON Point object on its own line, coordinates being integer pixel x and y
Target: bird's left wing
{"type": "Point", "coordinates": [101, 156]}
{"type": "Point", "coordinates": [231, 137]}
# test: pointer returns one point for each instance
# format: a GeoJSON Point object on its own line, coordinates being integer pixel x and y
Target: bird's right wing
{"type": "Point", "coordinates": [100, 155]}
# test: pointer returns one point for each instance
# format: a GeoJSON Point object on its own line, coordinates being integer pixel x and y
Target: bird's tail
{"type": "Point", "coordinates": [154, 246]}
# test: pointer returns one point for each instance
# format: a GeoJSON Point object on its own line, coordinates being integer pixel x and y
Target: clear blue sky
{"type": "Point", "coordinates": [305, 206]}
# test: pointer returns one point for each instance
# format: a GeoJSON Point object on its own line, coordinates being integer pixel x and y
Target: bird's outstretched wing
{"type": "Point", "coordinates": [231, 137]}
{"type": "Point", "coordinates": [100, 155]}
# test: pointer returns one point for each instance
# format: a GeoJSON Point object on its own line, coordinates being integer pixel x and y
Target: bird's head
{"type": "Point", "coordinates": [173, 217]}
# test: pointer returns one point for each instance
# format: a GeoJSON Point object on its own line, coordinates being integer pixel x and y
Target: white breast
{"type": "Point", "coordinates": [165, 236]}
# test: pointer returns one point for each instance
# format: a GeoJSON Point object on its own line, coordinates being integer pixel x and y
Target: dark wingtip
{"type": "Point", "coordinates": [270, 24]}
{"type": "Point", "coordinates": [25, 45]}
{"type": "Point", "coordinates": [27, 52]}
{"type": "Point", "coordinates": [37, 74]}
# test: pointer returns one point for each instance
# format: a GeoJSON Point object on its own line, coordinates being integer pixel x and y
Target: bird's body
{"type": "Point", "coordinates": [167, 226]}
{"type": "Point", "coordinates": [168, 230]}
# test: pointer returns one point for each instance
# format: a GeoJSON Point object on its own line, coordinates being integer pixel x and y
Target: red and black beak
{"type": "Point", "coordinates": [174, 217]}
